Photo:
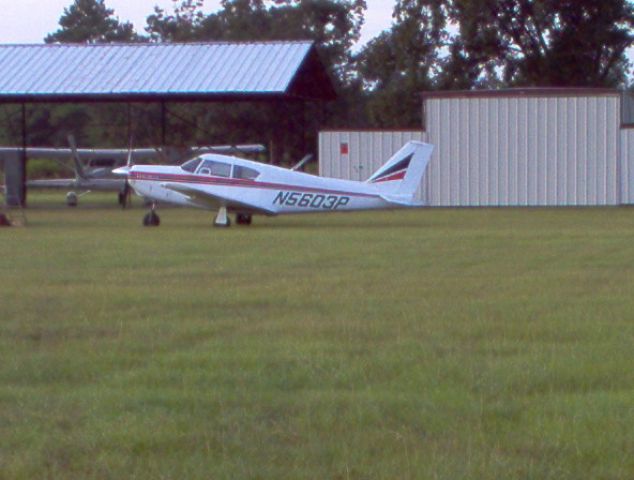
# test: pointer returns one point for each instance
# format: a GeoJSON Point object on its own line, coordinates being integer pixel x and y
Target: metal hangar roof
{"type": "Point", "coordinates": [165, 71]}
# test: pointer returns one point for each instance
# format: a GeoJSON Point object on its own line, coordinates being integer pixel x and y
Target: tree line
{"type": "Point", "coordinates": [431, 45]}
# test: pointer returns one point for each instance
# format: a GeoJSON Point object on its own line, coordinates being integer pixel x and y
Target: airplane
{"type": "Point", "coordinates": [93, 167]}
{"type": "Point", "coordinates": [228, 184]}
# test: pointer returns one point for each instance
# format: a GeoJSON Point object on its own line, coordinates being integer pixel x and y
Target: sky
{"type": "Point", "coordinates": [29, 21]}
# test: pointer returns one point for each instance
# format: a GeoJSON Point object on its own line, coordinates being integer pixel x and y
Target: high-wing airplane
{"type": "Point", "coordinates": [93, 167]}
{"type": "Point", "coordinates": [230, 184]}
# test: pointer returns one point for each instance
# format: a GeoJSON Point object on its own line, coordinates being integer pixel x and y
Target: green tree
{"type": "Point", "coordinates": [90, 21]}
{"type": "Point", "coordinates": [403, 62]}
{"type": "Point", "coordinates": [546, 42]}
{"type": "Point", "coordinates": [182, 25]}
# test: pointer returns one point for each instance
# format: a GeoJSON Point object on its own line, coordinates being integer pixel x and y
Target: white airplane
{"type": "Point", "coordinates": [230, 184]}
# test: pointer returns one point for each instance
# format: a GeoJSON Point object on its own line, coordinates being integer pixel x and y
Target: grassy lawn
{"type": "Point", "coordinates": [440, 344]}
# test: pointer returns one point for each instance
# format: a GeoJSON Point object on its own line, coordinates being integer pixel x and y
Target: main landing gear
{"type": "Point", "coordinates": [151, 218]}
{"type": "Point", "coordinates": [222, 219]}
{"type": "Point", "coordinates": [243, 219]}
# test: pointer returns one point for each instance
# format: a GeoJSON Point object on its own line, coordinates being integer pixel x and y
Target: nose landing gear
{"type": "Point", "coordinates": [151, 219]}
{"type": "Point", "coordinates": [222, 219]}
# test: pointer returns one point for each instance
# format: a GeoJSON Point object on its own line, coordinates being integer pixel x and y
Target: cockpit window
{"type": "Point", "coordinates": [245, 173]}
{"type": "Point", "coordinates": [191, 165]}
{"type": "Point", "coordinates": [216, 169]}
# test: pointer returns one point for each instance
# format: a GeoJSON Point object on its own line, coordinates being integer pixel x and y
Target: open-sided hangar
{"type": "Point", "coordinates": [518, 147]}
{"type": "Point", "coordinates": [276, 71]}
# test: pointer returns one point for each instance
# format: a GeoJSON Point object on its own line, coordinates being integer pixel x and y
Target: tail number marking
{"type": "Point", "coordinates": [311, 200]}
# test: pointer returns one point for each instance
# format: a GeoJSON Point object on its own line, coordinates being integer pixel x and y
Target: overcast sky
{"type": "Point", "coordinates": [29, 21]}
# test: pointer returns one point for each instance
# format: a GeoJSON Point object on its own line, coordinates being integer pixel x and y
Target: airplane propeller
{"type": "Point", "coordinates": [127, 190]}
{"type": "Point", "coordinates": [79, 169]}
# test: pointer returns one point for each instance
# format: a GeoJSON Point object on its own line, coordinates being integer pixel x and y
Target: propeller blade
{"type": "Point", "coordinates": [79, 169]}
{"type": "Point", "coordinates": [129, 162]}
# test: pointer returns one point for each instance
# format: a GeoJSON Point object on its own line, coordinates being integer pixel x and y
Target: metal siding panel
{"type": "Point", "coordinates": [483, 156]}
{"type": "Point", "coordinates": [457, 181]}
{"type": "Point", "coordinates": [435, 128]}
{"type": "Point", "coordinates": [495, 158]}
{"type": "Point", "coordinates": [512, 152]}
{"type": "Point", "coordinates": [613, 150]}
{"type": "Point", "coordinates": [577, 145]}
{"type": "Point", "coordinates": [581, 197]}
{"type": "Point", "coordinates": [522, 134]}
{"type": "Point", "coordinates": [463, 161]}
{"type": "Point", "coordinates": [473, 151]}
{"type": "Point", "coordinates": [527, 158]}
{"type": "Point", "coordinates": [627, 165]}
{"type": "Point", "coordinates": [562, 149]}
{"type": "Point", "coordinates": [551, 155]}
{"type": "Point", "coordinates": [591, 172]}
{"type": "Point", "coordinates": [359, 153]}
{"type": "Point", "coordinates": [503, 173]}
{"type": "Point", "coordinates": [570, 197]}
{"type": "Point", "coordinates": [596, 148]}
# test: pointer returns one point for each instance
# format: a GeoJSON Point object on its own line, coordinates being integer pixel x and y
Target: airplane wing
{"type": "Point", "coordinates": [99, 184]}
{"type": "Point", "coordinates": [229, 149]}
{"type": "Point", "coordinates": [84, 153]}
{"type": "Point", "coordinates": [214, 202]}
{"type": "Point", "coordinates": [61, 183]}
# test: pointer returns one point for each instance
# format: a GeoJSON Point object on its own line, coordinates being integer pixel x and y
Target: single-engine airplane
{"type": "Point", "coordinates": [230, 184]}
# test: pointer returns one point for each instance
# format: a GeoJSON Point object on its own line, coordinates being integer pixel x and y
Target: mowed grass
{"type": "Point", "coordinates": [440, 344]}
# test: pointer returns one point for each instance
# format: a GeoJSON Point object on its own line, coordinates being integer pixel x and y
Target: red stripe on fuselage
{"type": "Point", "coordinates": [235, 182]}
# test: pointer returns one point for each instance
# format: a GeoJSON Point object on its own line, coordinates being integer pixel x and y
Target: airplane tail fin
{"type": "Point", "coordinates": [79, 169]}
{"type": "Point", "coordinates": [402, 173]}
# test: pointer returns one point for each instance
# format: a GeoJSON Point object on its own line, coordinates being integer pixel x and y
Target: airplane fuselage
{"type": "Point", "coordinates": [278, 192]}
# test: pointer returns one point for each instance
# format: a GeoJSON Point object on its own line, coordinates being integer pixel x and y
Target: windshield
{"type": "Point", "coordinates": [191, 165]}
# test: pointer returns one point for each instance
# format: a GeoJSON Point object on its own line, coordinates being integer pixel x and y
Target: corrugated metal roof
{"type": "Point", "coordinates": [29, 72]}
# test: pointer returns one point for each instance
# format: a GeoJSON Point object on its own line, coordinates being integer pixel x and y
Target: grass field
{"type": "Point", "coordinates": [440, 344]}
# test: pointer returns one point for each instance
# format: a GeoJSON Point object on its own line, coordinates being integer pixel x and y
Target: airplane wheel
{"type": "Point", "coordinates": [243, 219]}
{"type": "Point", "coordinates": [151, 219]}
{"type": "Point", "coordinates": [71, 199]}
{"type": "Point", "coordinates": [223, 225]}
{"type": "Point", "coordinates": [122, 199]}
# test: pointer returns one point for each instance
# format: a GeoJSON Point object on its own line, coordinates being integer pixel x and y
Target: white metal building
{"type": "Point", "coordinates": [528, 147]}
